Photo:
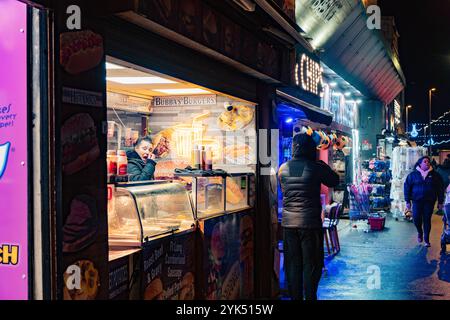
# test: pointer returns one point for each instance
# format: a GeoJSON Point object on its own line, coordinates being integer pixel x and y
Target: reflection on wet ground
{"type": "Point", "coordinates": [407, 270]}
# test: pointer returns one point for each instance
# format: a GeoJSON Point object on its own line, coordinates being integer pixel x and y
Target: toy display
{"type": "Point", "coordinates": [378, 175]}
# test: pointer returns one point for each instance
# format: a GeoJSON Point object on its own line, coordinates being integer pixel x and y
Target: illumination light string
{"type": "Point", "coordinates": [444, 115]}
{"type": "Point", "coordinates": [436, 143]}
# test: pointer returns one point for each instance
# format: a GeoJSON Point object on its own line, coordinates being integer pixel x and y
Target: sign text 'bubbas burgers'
{"type": "Point", "coordinates": [308, 74]}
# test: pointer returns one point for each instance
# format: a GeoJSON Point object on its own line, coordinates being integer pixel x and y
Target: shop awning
{"type": "Point", "coordinates": [290, 106]}
{"type": "Point", "coordinates": [355, 52]}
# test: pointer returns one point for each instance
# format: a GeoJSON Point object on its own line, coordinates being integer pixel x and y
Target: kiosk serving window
{"type": "Point", "coordinates": [190, 127]}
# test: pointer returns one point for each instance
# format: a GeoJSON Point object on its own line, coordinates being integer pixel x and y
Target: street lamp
{"type": "Point", "coordinates": [407, 125]}
{"type": "Point", "coordinates": [430, 92]}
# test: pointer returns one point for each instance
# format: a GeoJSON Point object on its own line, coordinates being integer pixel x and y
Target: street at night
{"type": "Point", "coordinates": [225, 157]}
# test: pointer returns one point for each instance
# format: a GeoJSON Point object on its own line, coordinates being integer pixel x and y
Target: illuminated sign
{"type": "Point", "coordinates": [414, 132]}
{"type": "Point", "coordinates": [13, 152]}
{"type": "Point", "coordinates": [308, 74]}
{"type": "Point", "coordinates": [397, 112]}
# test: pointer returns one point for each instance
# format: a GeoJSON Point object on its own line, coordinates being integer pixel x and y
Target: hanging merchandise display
{"type": "Point", "coordinates": [378, 175]}
{"type": "Point", "coordinates": [403, 160]}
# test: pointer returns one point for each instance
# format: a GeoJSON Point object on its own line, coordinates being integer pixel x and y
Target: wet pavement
{"type": "Point", "coordinates": [407, 270]}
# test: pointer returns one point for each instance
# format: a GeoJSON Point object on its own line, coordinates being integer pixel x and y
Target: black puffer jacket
{"type": "Point", "coordinates": [138, 170]}
{"type": "Point", "coordinates": [416, 188]}
{"type": "Point", "coordinates": [300, 181]}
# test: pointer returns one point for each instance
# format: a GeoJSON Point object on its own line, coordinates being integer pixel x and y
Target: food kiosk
{"type": "Point", "coordinates": [189, 232]}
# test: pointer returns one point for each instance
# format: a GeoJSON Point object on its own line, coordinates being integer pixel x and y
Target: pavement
{"type": "Point", "coordinates": [385, 265]}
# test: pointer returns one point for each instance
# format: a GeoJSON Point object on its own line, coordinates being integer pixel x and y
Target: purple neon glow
{"type": "Point", "coordinates": [13, 145]}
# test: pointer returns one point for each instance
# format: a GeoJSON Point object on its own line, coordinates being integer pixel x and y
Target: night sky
{"type": "Point", "coordinates": [424, 27]}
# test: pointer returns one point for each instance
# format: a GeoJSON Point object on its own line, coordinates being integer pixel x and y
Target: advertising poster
{"type": "Point", "coordinates": [228, 257]}
{"type": "Point", "coordinates": [169, 268]}
{"type": "Point", "coordinates": [13, 152]}
{"type": "Point", "coordinates": [80, 98]}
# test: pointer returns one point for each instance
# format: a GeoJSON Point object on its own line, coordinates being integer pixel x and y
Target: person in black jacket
{"type": "Point", "coordinates": [300, 181]}
{"type": "Point", "coordinates": [141, 164]}
{"type": "Point", "coordinates": [423, 187]}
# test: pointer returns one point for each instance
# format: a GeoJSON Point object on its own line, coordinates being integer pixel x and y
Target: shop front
{"type": "Point", "coordinates": [192, 225]}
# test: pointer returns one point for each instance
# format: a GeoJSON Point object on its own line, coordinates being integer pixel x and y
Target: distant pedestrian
{"type": "Point", "coordinates": [444, 171]}
{"type": "Point", "coordinates": [423, 187]}
{"type": "Point", "coordinates": [434, 163]}
{"type": "Point", "coordinates": [300, 181]}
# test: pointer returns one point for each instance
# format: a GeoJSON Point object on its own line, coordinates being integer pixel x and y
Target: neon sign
{"type": "Point", "coordinates": [308, 74]}
{"type": "Point", "coordinates": [414, 132]}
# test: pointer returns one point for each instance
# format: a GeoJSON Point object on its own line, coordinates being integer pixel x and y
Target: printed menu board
{"type": "Point", "coordinates": [169, 268]}
{"type": "Point", "coordinates": [13, 152]}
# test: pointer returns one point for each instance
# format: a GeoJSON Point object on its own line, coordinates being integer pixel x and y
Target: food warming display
{"type": "Point", "coordinates": [208, 196]}
{"type": "Point", "coordinates": [141, 211]}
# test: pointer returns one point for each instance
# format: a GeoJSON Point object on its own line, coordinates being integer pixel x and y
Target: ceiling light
{"type": "Point", "coordinates": [347, 94]}
{"type": "Point", "coordinates": [182, 91]}
{"type": "Point", "coordinates": [333, 84]}
{"type": "Point", "coordinates": [112, 66]}
{"type": "Point", "coordinates": [139, 80]}
{"type": "Point", "coordinates": [358, 101]}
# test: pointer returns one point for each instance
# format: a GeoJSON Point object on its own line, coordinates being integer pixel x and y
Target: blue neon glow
{"type": "Point", "coordinates": [414, 132]}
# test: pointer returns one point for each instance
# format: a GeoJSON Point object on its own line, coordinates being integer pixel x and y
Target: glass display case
{"type": "Point", "coordinates": [237, 192]}
{"type": "Point", "coordinates": [208, 196]}
{"type": "Point", "coordinates": [140, 211]}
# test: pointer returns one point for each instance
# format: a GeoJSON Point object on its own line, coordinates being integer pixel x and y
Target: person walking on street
{"type": "Point", "coordinates": [444, 171]}
{"type": "Point", "coordinates": [423, 187]}
{"type": "Point", "coordinates": [300, 180]}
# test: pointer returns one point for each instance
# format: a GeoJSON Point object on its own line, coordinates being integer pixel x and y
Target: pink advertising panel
{"type": "Point", "coordinates": [13, 151]}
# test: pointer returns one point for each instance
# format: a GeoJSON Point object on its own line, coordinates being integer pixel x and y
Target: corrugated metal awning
{"type": "Point", "coordinates": [357, 53]}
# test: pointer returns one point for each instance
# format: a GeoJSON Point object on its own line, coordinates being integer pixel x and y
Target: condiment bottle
{"type": "Point", "coordinates": [203, 158]}
{"type": "Point", "coordinates": [208, 159]}
{"type": "Point", "coordinates": [197, 162]}
{"type": "Point", "coordinates": [111, 160]}
{"type": "Point", "coordinates": [122, 163]}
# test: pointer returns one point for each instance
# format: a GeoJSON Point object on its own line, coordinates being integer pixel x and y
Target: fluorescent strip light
{"type": "Point", "coordinates": [112, 66]}
{"type": "Point", "coordinates": [337, 94]}
{"type": "Point", "coordinates": [182, 91]}
{"type": "Point", "coordinates": [347, 94]}
{"type": "Point", "coordinates": [139, 80]}
{"type": "Point", "coordinates": [333, 84]}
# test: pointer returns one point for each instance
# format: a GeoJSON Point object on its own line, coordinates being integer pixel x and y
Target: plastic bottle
{"type": "Point", "coordinates": [203, 158]}
{"type": "Point", "coordinates": [111, 160]}
{"type": "Point", "coordinates": [208, 158]}
{"type": "Point", "coordinates": [197, 161]}
{"type": "Point", "coordinates": [122, 163]}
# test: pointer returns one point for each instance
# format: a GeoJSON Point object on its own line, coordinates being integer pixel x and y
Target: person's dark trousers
{"type": "Point", "coordinates": [422, 213]}
{"type": "Point", "coordinates": [303, 261]}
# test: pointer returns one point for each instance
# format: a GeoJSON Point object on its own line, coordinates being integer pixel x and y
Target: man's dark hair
{"type": "Point", "coordinates": [144, 138]}
{"type": "Point", "coordinates": [419, 162]}
{"type": "Point", "coordinates": [303, 145]}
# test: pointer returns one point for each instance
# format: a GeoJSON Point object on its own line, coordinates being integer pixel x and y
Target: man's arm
{"type": "Point", "coordinates": [328, 176]}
